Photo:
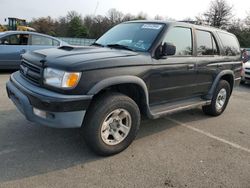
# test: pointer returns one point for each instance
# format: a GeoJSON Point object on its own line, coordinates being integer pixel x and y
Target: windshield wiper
{"type": "Point", "coordinates": [97, 44]}
{"type": "Point", "coordinates": [120, 46]}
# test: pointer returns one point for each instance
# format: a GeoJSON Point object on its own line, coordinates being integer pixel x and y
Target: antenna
{"type": "Point", "coordinates": [97, 4]}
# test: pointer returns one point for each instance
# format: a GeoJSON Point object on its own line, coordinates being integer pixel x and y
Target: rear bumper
{"type": "Point", "coordinates": [61, 111]}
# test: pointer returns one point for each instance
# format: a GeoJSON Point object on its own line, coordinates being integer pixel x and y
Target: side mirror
{"type": "Point", "coordinates": [167, 49]}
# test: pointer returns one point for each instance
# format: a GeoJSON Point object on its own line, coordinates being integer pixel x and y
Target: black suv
{"type": "Point", "coordinates": [137, 68]}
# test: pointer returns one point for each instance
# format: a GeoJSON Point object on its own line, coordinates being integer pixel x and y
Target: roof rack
{"type": "Point", "coordinates": [195, 22]}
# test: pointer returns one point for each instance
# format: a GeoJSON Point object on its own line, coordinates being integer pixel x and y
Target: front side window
{"type": "Point", "coordinates": [205, 43]}
{"type": "Point", "coordinates": [181, 37]}
{"type": "Point", "coordinates": [16, 39]}
{"type": "Point", "coordinates": [230, 44]}
{"type": "Point", "coordinates": [41, 40]}
{"type": "Point", "coordinates": [136, 36]}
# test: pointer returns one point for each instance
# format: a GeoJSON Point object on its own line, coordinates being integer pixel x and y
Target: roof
{"type": "Point", "coordinates": [179, 23]}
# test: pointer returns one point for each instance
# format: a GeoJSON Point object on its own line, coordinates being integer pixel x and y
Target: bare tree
{"type": "Point", "coordinates": [218, 14]}
{"type": "Point", "coordinates": [115, 16]}
{"type": "Point", "coordinates": [158, 17]}
{"type": "Point", "coordinates": [141, 16]}
{"type": "Point", "coordinates": [247, 20]}
{"type": "Point", "coordinates": [128, 17]}
{"type": "Point", "coordinates": [72, 14]}
{"type": "Point", "coordinates": [44, 25]}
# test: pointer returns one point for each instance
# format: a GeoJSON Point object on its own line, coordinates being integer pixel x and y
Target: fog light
{"type": "Point", "coordinates": [40, 113]}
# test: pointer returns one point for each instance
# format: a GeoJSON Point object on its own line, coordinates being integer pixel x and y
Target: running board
{"type": "Point", "coordinates": [161, 110]}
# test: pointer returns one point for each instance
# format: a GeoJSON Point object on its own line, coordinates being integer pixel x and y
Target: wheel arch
{"type": "Point", "coordinates": [131, 86]}
{"type": "Point", "coordinates": [227, 75]}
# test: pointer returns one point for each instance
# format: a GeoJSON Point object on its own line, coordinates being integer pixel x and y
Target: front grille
{"type": "Point", "coordinates": [31, 72]}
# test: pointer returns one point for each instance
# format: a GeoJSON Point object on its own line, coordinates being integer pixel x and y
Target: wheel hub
{"type": "Point", "coordinates": [116, 126]}
{"type": "Point", "coordinates": [221, 99]}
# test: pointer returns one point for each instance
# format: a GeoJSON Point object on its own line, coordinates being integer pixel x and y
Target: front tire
{"type": "Point", "coordinates": [111, 124]}
{"type": "Point", "coordinates": [220, 99]}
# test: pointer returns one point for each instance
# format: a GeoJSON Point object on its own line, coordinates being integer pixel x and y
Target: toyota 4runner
{"type": "Point", "coordinates": [137, 68]}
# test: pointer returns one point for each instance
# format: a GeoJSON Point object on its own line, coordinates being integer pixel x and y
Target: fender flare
{"type": "Point", "coordinates": [216, 81]}
{"type": "Point", "coordinates": [116, 80]}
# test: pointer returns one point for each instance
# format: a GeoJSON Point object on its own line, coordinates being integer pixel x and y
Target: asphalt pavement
{"type": "Point", "coordinates": [188, 149]}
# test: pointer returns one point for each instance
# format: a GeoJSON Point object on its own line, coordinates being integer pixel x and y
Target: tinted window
{"type": "Point", "coordinates": [230, 44]}
{"type": "Point", "coordinates": [182, 38]}
{"type": "Point", "coordinates": [17, 39]}
{"type": "Point", "coordinates": [41, 40]}
{"type": "Point", "coordinates": [205, 43]}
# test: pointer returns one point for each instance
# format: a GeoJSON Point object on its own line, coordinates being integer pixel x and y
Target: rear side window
{"type": "Point", "coordinates": [41, 40]}
{"type": "Point", "coordinates": [182, 38]}
{"type": "Point", "coordinates": [230, 44]}
{"type": "Point", "coordinates": [205, 43]}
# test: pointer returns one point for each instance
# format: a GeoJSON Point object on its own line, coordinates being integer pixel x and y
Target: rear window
{"type": "Point", "coordinates": [230, 44]}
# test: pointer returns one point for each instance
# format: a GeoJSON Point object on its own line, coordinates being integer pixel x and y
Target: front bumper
{"type": "Point", "coordinates": [62, 111]}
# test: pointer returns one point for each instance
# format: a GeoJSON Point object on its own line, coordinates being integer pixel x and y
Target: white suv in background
{"type": "Point", "coordinates": [245, 74]}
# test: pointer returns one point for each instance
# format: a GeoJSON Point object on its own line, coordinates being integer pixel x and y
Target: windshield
{"type": "Point", "coordinates": [136, 36]}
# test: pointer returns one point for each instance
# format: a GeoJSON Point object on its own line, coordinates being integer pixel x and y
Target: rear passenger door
{"type": "Point", "coordinates": [207, 57]}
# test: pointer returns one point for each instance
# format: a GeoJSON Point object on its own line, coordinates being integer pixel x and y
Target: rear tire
{"type": "Point", "coordinates": [220, 99]}
{"type": "Point", "coordinates": [111, 124]}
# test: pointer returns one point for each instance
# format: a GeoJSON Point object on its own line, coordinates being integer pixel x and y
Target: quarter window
{"type": "Point", "coordinates": [182, 38]}
{"type": "Point", "coordinates": [205, 43]}
{"type": "Point", "coordinates": [230, 44]}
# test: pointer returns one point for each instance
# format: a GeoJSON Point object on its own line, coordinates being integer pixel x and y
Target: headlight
{"type": "Point", "coordinates": [61, 79]}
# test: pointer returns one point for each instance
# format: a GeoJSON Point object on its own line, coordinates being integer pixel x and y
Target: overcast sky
{"type": "Point", "coordinates": [176, 9]}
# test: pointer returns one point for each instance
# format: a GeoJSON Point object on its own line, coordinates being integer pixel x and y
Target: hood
{"type": "Point", "coordinates": [68, 57]}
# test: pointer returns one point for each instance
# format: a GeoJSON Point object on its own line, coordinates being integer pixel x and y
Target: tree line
{"type": "Point", "coordinates": [219, 14]}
